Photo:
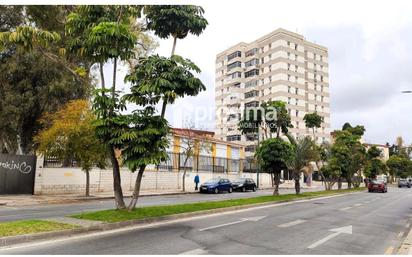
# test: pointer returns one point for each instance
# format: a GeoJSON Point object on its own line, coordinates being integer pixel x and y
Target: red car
{"type": "Point", "coordinates": [377, 186]}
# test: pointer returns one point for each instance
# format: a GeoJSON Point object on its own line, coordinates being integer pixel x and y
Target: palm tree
{"type": "Point", "coordinates": [305, 151]}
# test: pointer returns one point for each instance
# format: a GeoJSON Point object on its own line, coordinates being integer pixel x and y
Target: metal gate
{"type": "Point", "coordinates": [17, 174]}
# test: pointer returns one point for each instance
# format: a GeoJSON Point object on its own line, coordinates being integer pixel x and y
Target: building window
{"type": "Point", "coordinates": [270, 56]}
{"type": "Point", "coordinates": [270, 67]}
{"type": "Point", "coordinates": [252, 62]}
{"type": "Point", "coordinates": [297, 113]}
{"type": "Point", "coordinates": [321, 58]}
{"type": "Point", "coordinates": [289, 100]}
{"type": "Point", "coordinates": [296, 79]}
{"type": "Point", "coordinates": [296, 57]}
{"type": "Point", "coordinates": [321, 78]}
{"type": "Point", "coordinates": [251, 137]}
{"type": "Point", "coordinates": [296, 47]}
{"type": "Point", "coordinates": [270, 45]}
{"type": "Point", "coordinates": [251, 73]}
{"type": "Point", "coordinates": [297, 91]}
{"type": "Point", "coordinates": [252, 104]}
{"type": "Point", "coordinates": [270, 78]}
{"type": "Point", "coordinates": [251, 52]}
{"type": "Point", "coordinates": [288, 77]}
{"type": "Point", "coordinates": [251, 83]}
{"type": "Point", "coordinates": [252, 93]}
{"type": "Point", "coordinates": [288, 89]}
{"type": "Point", "coordinates": [288, 43]}
{"type": "Point", "coordinates": [297, 124]}
{"type": "Point", "coordinates": [233, 138]}
{"type": "Point", "coordinates": [288, 55]}
{"type": "Point", "coordinates": [234, 65]}
{"type": "Point", "coordinates": [250, 148]}
{"type": "Point", "coordinates": [237, 85]}
{"type": "Point", "coordinates": [288, 66]}
{"type": "Point", "coordinates": [234, 55]}
{"type": "Point", "coordinates": [297, 101]}
{"type": "Point", "coordinates": [235, 75]}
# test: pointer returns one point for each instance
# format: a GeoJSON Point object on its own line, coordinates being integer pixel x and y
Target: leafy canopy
{"type": "Point", "coordinates": [175, 20]}
{"type": "Point", "coordinates": [274, 155]}
{"type": "Point", "coordinates": [69, 133]}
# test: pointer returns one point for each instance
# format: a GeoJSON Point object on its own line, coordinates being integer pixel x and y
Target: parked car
{"type": "Point", "coordinates": [244, 184]}
{"type": "Point", "coordinates": [377, 186]}
{"type": "Point", "coordinates": [216, 185]}
{"type": "Point", "coordinates": [404, 183]}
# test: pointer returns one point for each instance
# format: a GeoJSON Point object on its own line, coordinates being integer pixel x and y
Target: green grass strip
{"type": "Point", "coordinates": [24, 227]}
{"type": "Point", "coordinates": [111, 216]}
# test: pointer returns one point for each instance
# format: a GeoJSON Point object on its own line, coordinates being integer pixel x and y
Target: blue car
{"type": "Point", "coordinates": [216, 185]}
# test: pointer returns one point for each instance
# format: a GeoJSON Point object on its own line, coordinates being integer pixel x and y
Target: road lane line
{"type": "Point", "coordinates": [337, 232]}
{"type": "Point", "coordinates": [234, 222]}
{"type": "Point", "coordinates": [389, 250]}
{"type": "Point", "coordinates": [198, 251]}
{"type": "Point", "coordinates": [346, 208]}
{"type": "Point", "coordinates": [357, 205]}
{"type": "Point", "coordinates": [292, 223]}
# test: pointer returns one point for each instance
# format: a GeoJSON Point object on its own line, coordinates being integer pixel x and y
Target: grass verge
{"type": "Point", "coordinates": [111, 216]}
{"type": "Point", "coordinates": [25, 227]}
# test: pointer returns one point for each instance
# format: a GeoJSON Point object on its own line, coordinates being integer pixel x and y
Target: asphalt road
{"type": "Point", "coordinates": [359, 223]}
{"type": "Point", "coordinates": [55, 210]}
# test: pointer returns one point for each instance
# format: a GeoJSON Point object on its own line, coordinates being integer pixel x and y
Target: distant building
{"type": "Point", "coordinates": [281, 65]}
{"type": "Point", "coordinates": [216, 155]}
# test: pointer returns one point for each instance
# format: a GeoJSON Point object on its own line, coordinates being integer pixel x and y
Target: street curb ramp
{"type": "Point", "coordinates": [13, 240]}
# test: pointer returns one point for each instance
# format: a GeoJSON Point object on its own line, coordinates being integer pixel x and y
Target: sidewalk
{"type": "Point", "coordinates": [25, 200]}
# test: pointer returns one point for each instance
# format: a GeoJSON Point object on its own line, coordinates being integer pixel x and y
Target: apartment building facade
{"type": "Point", "coordinates": [281, 65]}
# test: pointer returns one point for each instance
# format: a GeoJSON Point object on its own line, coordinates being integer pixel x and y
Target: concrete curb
{"type": "Point", "coordinates": [406, 247]}
{"type": "Point", "coordinates": [13, 240]}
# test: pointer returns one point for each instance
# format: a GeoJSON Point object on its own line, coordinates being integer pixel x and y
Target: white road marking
{"type": "Point", "coordinates": [234, 222]}
{"type": "Point", "coordinates": [161, 223]}
{"type": "Point", "coordinates": [338, 231]}
{"type": "Point", "coordinates": [346, 208]}
{"type": "Point", "coordinates": [357, 205]}
{"type": "Point", "coordinates": [194, 252]}
{"type": "Point", "coordinates": [292, 223]}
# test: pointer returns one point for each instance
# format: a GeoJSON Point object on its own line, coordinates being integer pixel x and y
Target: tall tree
{"type": "Point", "coordinates": [273, 156]}
{"type": "Point", "coordinates": [305, 151]}
{"type": "Point", "coordinates": [176, 21]}
{"type": "Point", "coordinates": [104, 34]}
{"type": "Point", "coordinates": [34, 78]}
{"type": "Point", "coordinates": [399, 166]}
{"type": "Point", "coordinates": [152, 79]}
{"type": "Point", "coordinates": [69, 133]}
{"type": "Point", "coordinates": [312, 121]}
{"type": "Point", "coordinates": [374, 166]}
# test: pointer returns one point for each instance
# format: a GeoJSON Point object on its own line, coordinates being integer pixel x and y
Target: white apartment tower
{"type": "Point", "coordinates": [281, 65]}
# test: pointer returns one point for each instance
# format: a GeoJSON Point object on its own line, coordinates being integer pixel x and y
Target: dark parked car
{"type": "Point", "coordinates": [377, 186]}
{"type": "Point", "coordinates": [404, 183]}
{"type": "Point", "coordinates": [244, 184]}
{"type": "Point", "coordinates": [216, 185]}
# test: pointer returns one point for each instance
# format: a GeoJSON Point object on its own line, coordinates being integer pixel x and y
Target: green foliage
{"type": "Point", "coordinates": [274, 155]}
{"type": "Point", "coordinates": [305, 151]}
{"type": "Point", "coordinates": [102, 32]}
{"type": "Point", "coordinates": [112, 216]}
{"type": "Point", "coordinates": [69, 133]}
{"type": "Point", "coordinates": [358, 130]}
{"type": "Point", "coordinates": [145, 140]}
{"type": "Point", "coordinates": [34, 79]}
{"type": "Point", "coordinates": [156, 77]}
{"type": "Point", "coordinates": [175, 20]}
{"type": "Point", "coordinates": [271, 117]}
{"type": "Point", "coordinates": [399, 166]}
{"type": "Point", "coordinates": [313, 120]}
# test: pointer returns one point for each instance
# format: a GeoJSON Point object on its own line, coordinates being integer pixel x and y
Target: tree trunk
{"type": "Point", "coordinates": [87, 182]}
{"type": "Point", "coordinates": [339, 184]}
{"type": "Point", "coordinates": [114, 77]}
{"type": "Point", "coordinates": [163, 113]}
{"type": "Point", "coordinates": [297, 184]}
{"type": "Point", "coordinates": [117, 184]}
{"type": "Point", "coordinates": [272, 179]}
{"type": "Point", "coordinates": [174, 46]}
{"type": "Point", "coordinates": [184, 174]}
{"type": "Point", "coordinates": [102, 75]}
{"type": "Point", "coordinates": [276, 180]}
{"type": "Point", "coordinates": [136, 190]}
{"type": "Point", "coordinates": [349, 183]}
